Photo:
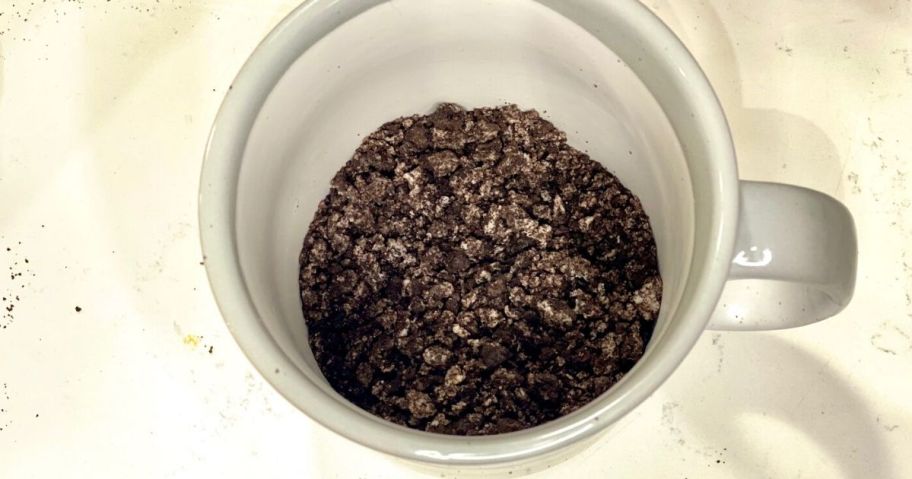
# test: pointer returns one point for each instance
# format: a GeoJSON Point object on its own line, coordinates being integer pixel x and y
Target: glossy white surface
{"type": "Point", "coordinates": [795, 260]}
{"type": "Point", "coordinates": [109, 165]}
{"type": "Point", "coordinates": [332, 71]}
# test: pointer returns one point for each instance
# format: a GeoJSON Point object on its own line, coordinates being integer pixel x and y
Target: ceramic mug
{"type": "Point", "coordinates": [611, 75]}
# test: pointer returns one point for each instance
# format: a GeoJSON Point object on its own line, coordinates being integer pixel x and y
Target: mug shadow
{"type": "Point", "coordinates": [765, 381]}
{"type": "Point", "coordinates": [781, 146]}
{"type": "Point", "coordinates": [776, 145]}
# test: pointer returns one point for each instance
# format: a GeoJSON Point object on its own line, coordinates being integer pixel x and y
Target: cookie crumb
{"type": "Point", "coordinates": [471, 273]}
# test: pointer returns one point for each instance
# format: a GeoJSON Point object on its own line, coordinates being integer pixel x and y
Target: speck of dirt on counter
{"type": "Point", "coordinates": [17, 271]}
{"type": "Point", "coordinates": [78, 309]}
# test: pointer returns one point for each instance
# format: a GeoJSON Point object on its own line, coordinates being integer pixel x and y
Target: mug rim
{"type": "Point", "coordinates": [218, 183]}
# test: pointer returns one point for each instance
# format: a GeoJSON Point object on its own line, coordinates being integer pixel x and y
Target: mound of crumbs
{"type": "Point", "coordinates": [471, 273]}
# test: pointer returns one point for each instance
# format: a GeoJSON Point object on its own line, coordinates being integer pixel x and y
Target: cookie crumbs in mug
{"type": "Point", "coordinates": [471, 273]}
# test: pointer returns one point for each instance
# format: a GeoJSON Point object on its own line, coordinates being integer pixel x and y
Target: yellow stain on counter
{"type": "Point", "coordinates": [192, 340]}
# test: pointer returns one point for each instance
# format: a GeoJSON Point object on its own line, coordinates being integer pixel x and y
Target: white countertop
{"type": "Point", "coordinates": [104, 112]}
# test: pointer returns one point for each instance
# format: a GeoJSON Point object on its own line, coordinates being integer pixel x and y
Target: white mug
{"type": "Point", "coordinates": [612, 76]}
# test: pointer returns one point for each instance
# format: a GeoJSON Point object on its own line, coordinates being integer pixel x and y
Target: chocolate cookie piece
{"type": "Point", "coordinates": [471, 273]}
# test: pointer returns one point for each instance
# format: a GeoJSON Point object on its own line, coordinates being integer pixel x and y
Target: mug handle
{"type": "Point", "coordinates": [795, 260]}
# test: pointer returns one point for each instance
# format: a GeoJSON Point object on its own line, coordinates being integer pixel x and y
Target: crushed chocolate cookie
{"type": "Point", "coordinates": [471, 273]}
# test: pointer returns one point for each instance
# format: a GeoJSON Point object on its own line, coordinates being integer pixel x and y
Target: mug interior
{"type": "Point", "coordinates": [382, 60]}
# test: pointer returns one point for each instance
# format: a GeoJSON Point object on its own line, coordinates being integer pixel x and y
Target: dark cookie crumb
{"type": "Point", "coordinates": [471, 273]}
